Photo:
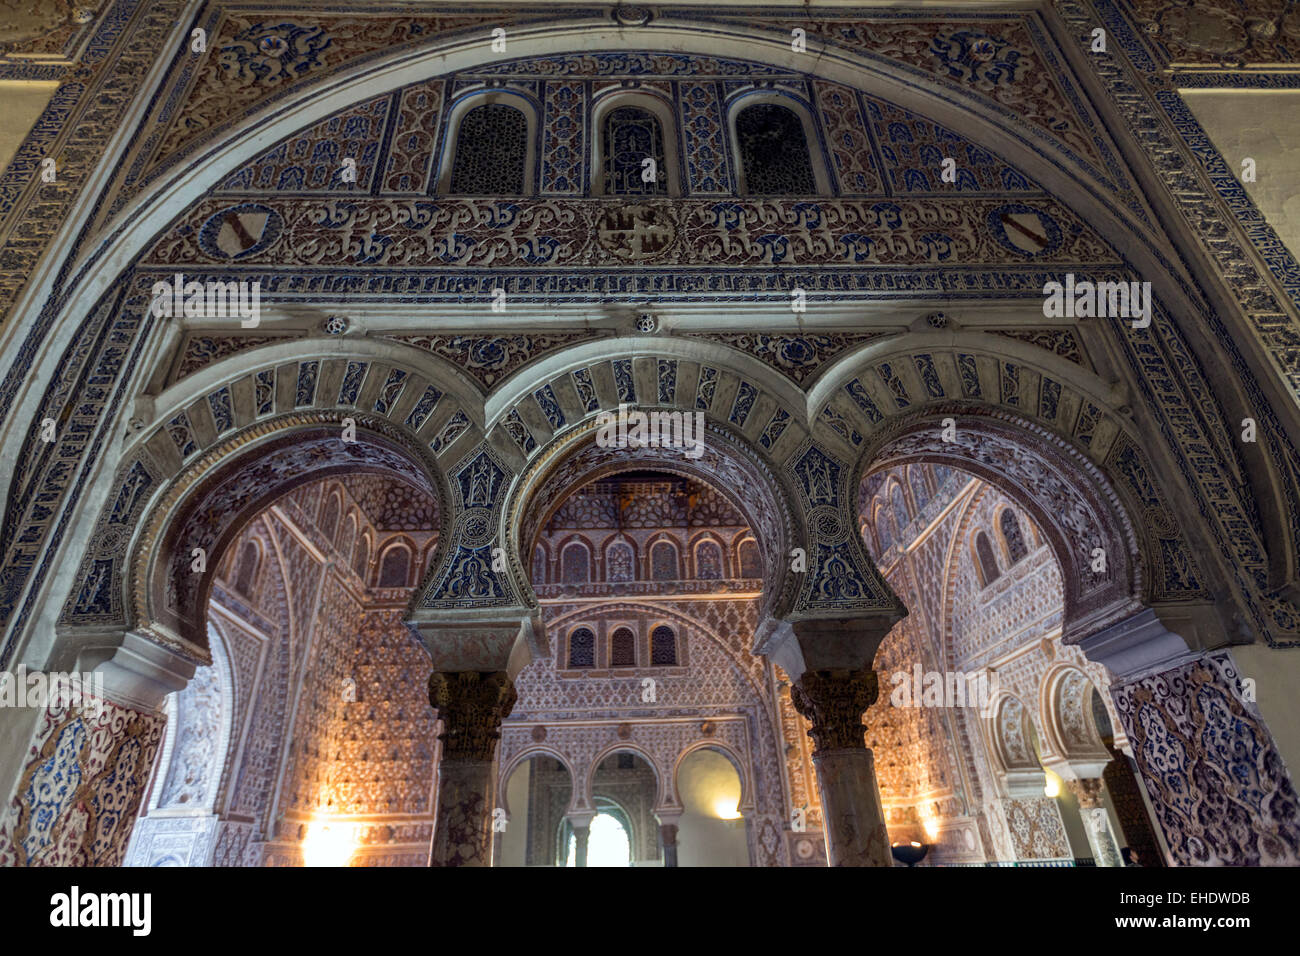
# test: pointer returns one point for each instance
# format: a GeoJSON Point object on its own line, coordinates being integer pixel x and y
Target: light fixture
{"type": "Point", "coordinates": [1053, 786]}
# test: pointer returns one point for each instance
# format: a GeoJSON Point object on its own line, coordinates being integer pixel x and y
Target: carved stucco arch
{"type": "Point", "coordinates": [528, 753]}
{"type": "Point", "coordinates": [995, 727]}
{"type": "Point", "coordinates": [573, 459]}
{"type": "Point", "coordinates": [1053, 707]}
{"type": "Point", "coordinates": [248, 472]}
{"type": "Point", "coordinates": [236, 142]}
{"type": "Point", "coordinates": [682, 623]}
{"type": "Point", "coordinates": [746, 803]}
{"type": "Point", "coordinates": [663, 795]}
{"type": "Point", "coordinates": [1071, 501]}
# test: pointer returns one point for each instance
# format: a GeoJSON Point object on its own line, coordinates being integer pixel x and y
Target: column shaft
{"type": "Point", "coordinates": [471, 706]}
{"type": "Point", "coordinates": [834, 702]}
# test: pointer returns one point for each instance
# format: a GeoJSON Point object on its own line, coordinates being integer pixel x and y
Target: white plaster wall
{"type": "Point", "coordinates": [1265, 126]}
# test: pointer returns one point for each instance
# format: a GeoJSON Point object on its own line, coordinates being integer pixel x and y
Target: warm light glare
{"type": "Point", "coordinates": [1053, 786]}
{"type": "Point", "coordinates": [724, 808]}
{"type": "Point", "coordinates": [329, 843]}
{"type": "Point", "coordinates": [930, 825]}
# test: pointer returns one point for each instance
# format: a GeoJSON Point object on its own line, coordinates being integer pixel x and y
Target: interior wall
{"type": "Point", "coordinates": [514, 841]}
{"type": "Point", "coordinates": [709, 786]}
{"type": "Point", "coordinates": [23, 102]}
{"type": "Point", "coordinates": [1263, 125]}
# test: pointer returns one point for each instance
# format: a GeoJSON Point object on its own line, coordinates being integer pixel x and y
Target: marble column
{"type": "Point", "coordinates": [833, 702]}
{"type": "Point", "coordinates": [471, 706]}
{"type": "Point", "coordinates": [1096, 822]}
{"type": "Point", "coordinates": [581, 824]}
{"type": "Point", "coordinates": [668, 836]}
{"type": "Point", "coordinates": [89, 750]}
{"type": "Point", "coordinates": [1219, 789]}
{"type": "Point", "coordinates": [832, 684]}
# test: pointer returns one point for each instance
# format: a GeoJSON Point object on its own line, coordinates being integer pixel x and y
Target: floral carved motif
{"type": "Point", "coordinates": [471, 706]}
{"type": "Point", "coordinates": [833, 701]}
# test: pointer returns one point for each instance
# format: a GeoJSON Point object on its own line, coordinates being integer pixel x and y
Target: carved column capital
{"type": "Point", "coordinates": [472, 705]}
{"type": "Point", "coordinates": [833, 701]}
{"type": "Point", "coordinates": [1087, 791]}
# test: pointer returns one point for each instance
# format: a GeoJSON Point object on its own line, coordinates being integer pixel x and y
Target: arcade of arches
{"type": "Point", "coordinates": [310, 350]}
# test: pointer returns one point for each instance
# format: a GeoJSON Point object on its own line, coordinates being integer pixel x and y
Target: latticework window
{"type": "Point", "coordinates": [631, 136]}
{"type": "Point", "coordinates": [751, 564]}
{"type": "Point", "coordinates": [361, 560]}
{"type": "Point", "coordinates": [663, 647]}
{"type": "Point", "coordinates": [622, 648]}
{"type": "Point", "coordinates": [1012, 535]}
{"type": "Point", "coordinates": [575, 565]}
{"type": "Point", "coordinates": [663, 562]}
{"type": "Point", "coordinates": [247, 574]}
{"type": "Point", "coordinates": [491, 152]}
{"type": "Point", "coordinates": [395, 571]}
{"type": "Point", "coordinates": [618, 563]}
{"type": "Point", "coordinates": [774, 151]}
{"type": "Point", "coordinates": [582, 648]}
{"type": "Point", "coordinates": [708, 561]}
{"type": "Point", "coordinates": [329, 519]}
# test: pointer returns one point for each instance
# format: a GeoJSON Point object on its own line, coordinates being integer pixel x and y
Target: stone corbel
{"type": "Point", "coordinates": [480, 639]}
{"type": "Point", "coordinates": [138, 673]}
{"type": "Point", "coordinates": [801, 645]}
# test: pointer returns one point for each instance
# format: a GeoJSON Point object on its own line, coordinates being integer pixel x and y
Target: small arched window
{"type": "Point", "coordinates": [632, 135]}
{"type": "Point", "coordinates": [361, 560]}
{"type": "Point", "coordinates": [1014, 538]}
{"type": "Point", "coordinates": [884, 529]}
{"type": "Point", "coordinates": [920, 493]}
{"type": "Point", "coordinates": [622, 648]}
{"type": "Point", "coordinates": [247, 574]}
{"type": "Point", "coordinates": [663, 562]}
{"type": "Point", "coordinates": [619, 562]}
{"type": "Point", "coordinates": [708, 561]}
{"type": "Point", "coordinates": [491, 152]}
{"type": "Point", "coordinates": [582, 648]}
{"type": "Point", "coordinates": [988, 563]}
{"type": "Point", "coordinates": [395, 571]}
{"type": "Point", "coordinates": [774, 151]}
{"type": "Point", "coordinates": [349, 535]}
{"type": "Point", "coordinates": [901, 517]}
{"type": "Point", "coordinates": [663, 647]}
{"type": "Point", "coordinates": [751, 563]}
{"type": "Point", "coordinates": [329, 518]}
{"type": "Point", "coordinates": [575, 564]}
{"type": "Point", "coordinates": [539, 565]}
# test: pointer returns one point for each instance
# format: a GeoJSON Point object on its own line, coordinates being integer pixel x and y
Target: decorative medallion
{"type": "Point", "coordinates": [239, 231]}
{"type": "Point", "coordinates": [636, 233]}
{"type": "Point", "coordinates": [1024, 229]}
